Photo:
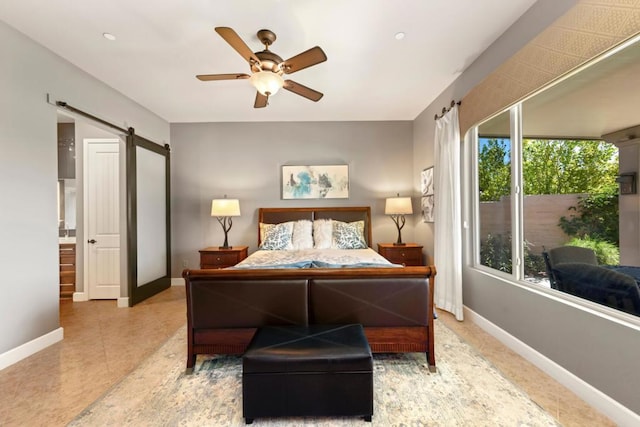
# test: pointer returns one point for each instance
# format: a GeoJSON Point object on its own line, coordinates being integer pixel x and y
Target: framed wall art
{"type": "Point", "coordinates": [427, 188]}
{"type": "Point", "coordinates": [426, 181]}
{"type": "Point", "coordinates": [315, 182]}
{"type": "Point", "coordinates": [427, 208]}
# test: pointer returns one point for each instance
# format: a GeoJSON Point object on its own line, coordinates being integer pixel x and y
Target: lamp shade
{"type": "Point", "coordinates": [398, 206]}
{"type": "Point", "coordinates": [267, 82]}
{"type": "Point", "coordinates": [225, 207]}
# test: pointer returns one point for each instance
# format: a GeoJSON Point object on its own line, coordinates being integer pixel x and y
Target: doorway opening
{"type": "Point", "coordinates": [90, 201]}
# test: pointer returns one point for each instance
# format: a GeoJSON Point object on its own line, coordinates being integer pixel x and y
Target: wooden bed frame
{"type": "Point", "coordinates": [384, 336]}
{"type": "Point", "coordinates": [346, 214]}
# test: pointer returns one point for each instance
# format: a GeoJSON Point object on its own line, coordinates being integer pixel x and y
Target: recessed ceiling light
{"type": "Point", "coordinates": [108, 36]}
{"type": "Point", "coordinates": [399, 36]}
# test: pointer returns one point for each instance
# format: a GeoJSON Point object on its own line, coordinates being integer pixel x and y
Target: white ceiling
{"type": "Point", "coordinates": [369, 75]}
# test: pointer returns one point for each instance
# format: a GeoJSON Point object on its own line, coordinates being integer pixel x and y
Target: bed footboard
{"type": "Point", "coordinates": [397, 312]}
{"type": "Point", "coordinates": [395, 306]}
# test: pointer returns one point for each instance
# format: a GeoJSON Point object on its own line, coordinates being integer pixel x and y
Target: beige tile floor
{"type": "Point", "coordinates": [104, 343]}
{"type": "Point", "coordinates": [101, 345]}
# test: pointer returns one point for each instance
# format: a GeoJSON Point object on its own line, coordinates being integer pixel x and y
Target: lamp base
{"type": "Point", "coordinates": [399, 244]}
{"type": "Point", "coordinates": [225, 247]}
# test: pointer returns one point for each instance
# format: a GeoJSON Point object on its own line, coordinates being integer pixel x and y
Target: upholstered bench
{"type": "Point", "coordinates": [315, 370]}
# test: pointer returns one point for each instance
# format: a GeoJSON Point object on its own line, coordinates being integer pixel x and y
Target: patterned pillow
{"type": "Point", "coordinates": [349, 235]}
{"type": "Point", "coordinates": [264, 228]}
{"type": "Point", "coordinates": [322, 234]}
{"type": "Point", "coordinates": [302, 234]}
{"type": "Point", "coordinates": [277, 237]}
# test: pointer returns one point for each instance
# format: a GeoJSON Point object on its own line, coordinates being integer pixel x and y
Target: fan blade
{"type": "Point", "coordinates": [302, 90]}
{"type": "Point", "coordinates": [261, 100]}
{"type": "Point", "coordinates": [236, 42]}
{"type": "Point", "coordinates": [208, 77]}
{"type": "Point", "coordinates": [310, 57]}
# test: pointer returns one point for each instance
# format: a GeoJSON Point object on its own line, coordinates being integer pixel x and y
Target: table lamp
{"type": "Point", "coordinates": [224, 209]}
{"type": "Point", "coordinates": [397, 208]}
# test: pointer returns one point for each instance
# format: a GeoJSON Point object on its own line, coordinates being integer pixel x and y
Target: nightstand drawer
{"type": "Point", "coordinates": [405, 257]}
{"type": "Point", "coordinates": [222, 258]}
{"type": "Point", "coordinates": [409, 254]}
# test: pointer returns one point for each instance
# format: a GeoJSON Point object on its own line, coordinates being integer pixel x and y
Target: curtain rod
{"type": "Point", "coordinates": [92, 117]}
{"type": "Point", "coordinates": [446, 110]}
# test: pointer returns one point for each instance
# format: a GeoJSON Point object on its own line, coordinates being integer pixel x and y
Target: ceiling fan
{"type": "Point", "coordinates": [267, 68]}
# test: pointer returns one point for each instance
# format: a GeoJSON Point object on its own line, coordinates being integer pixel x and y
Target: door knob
{"type": "Point", "coordinates": [92, 241]}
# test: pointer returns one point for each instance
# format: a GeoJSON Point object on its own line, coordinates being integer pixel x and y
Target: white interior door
{"type": "Point", "coordinates": [102, 208]}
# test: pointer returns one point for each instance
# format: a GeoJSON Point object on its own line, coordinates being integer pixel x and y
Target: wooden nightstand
{"type": "Point", "coordinates": [214, 257]}
{"type": "Point", "coordinates": [409, 254]}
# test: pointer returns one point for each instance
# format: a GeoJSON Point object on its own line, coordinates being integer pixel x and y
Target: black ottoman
{"type": "Point", "coordinates": [315, 370]}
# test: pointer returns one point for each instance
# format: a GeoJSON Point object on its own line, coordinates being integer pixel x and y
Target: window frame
{"type": "Point", "coordinates": [517, 276]}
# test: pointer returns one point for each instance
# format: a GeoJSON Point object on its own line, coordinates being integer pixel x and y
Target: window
{"type": "Point", "coordinates": [494, 193]}
{"type": "Point", "coordinates": [547, 175]}
{"type": "Point", "coordinates": [570, 198]}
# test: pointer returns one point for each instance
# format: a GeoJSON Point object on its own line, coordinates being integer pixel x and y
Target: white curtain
{"type": "Point", "coordinates": [447, 215]}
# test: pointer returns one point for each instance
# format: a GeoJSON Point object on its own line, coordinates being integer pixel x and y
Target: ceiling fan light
{"type": "Point", "coordinates": [267, 82]}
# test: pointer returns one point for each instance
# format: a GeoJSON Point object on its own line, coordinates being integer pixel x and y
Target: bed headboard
{"type": "Point", "coordinates": [346, 214]}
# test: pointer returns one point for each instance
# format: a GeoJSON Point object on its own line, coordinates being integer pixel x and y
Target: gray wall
{"type": "Point", "coordinates": [243, 160]}
{"type": "Point", "coordinates": [28, 174]}
{"type": "Point", "coordinates": [602, 352]}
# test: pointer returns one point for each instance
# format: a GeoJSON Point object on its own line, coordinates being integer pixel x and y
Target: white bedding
{"type": "Point", "coordinates": [307, 258]}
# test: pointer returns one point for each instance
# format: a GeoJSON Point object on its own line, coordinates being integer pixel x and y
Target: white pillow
{"type": "Point", "coordinates": [302, 234]}
{"type": "Point", "coordinates": [348, 235]}
{"type": "Point", "coordinates": [322, 234]}
{"type": "Point", "coordinates": [277, 236]}
{"type": "Point", "coordinates": [264, 227]}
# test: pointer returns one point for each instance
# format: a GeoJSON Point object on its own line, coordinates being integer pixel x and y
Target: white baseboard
{"type": "Point", "coordinates": [122, 302]}
{"type": "Point", "coordinates": [177, 281]}
{"type": "Point", "coordinates": [80, 296]}
{"type": "Point", "coordinates": [27, 349]}
{"type": "Point", "coordinates": [617, 412]}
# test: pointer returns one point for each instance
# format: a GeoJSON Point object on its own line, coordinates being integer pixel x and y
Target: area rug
{"type": "Point", "coordinates": [466, 390]}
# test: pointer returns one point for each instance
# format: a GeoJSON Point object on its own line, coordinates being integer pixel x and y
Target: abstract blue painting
{"type": "Point", "coordinates": [315, 182]}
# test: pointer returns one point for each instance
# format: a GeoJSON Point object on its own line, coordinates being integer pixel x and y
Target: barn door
{"type": "Point", "coordinates": [148, 218]}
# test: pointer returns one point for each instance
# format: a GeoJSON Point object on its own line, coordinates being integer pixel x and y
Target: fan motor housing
{"type": "Point", "coordinates": [269, 62]}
